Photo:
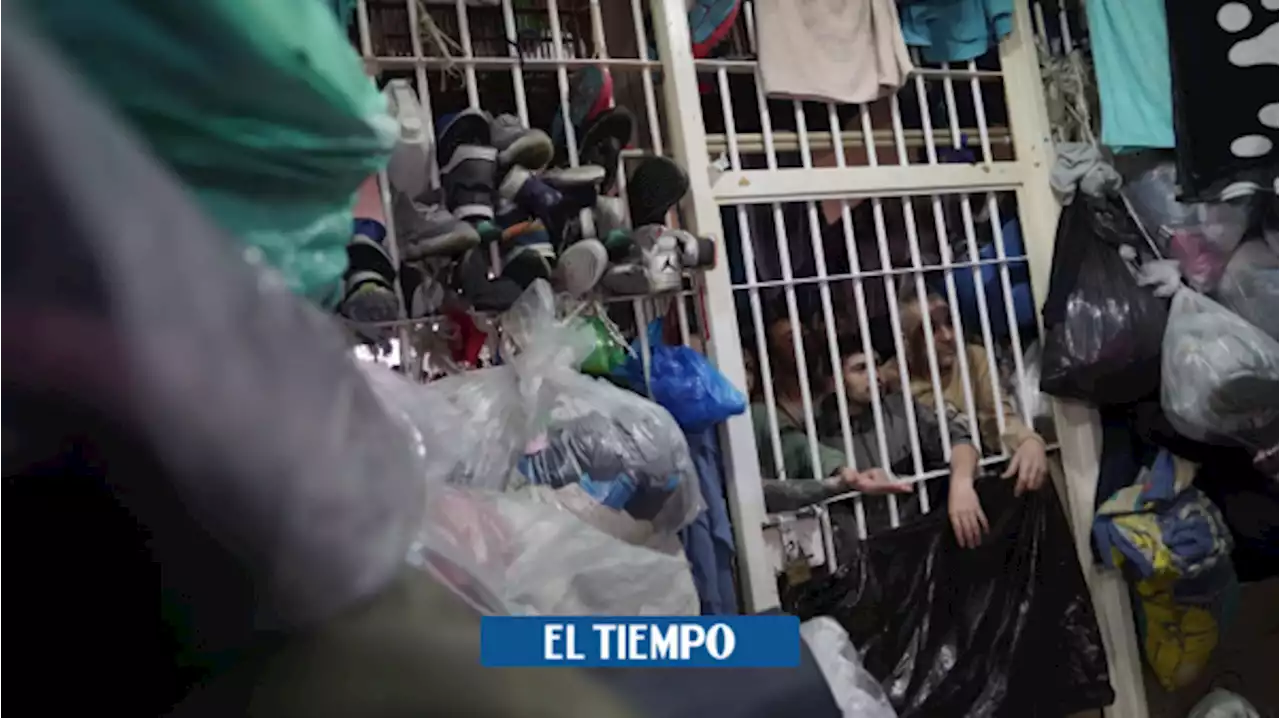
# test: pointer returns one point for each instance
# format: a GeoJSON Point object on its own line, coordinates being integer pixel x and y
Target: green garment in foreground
{"type": "Point", "coordinates": [262, 108]}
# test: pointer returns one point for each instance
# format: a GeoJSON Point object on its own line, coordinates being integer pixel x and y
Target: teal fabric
{"type": "Point", "coordinates": [955, 30]}
{"type": "Point", "coordinates": [1131, 53]}
{"type": "Point", "coordinates": [263, 109]}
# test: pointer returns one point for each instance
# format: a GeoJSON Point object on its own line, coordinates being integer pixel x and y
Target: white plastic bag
{"type": "Point", "coordinates": [856, 691]}
{"type": "Point", "coordinates": [1221, 703]}
{"type": "Point", "coordinates": [1220, 374]}
{"type": "Point", "coordinates": [512, 553]}
{"type": "Point", "coordinates": [1250, 286]}
{"type": "Point", "coordinates": [537, 420]}
{"type": "Point", "coordinates": [1200, 235]}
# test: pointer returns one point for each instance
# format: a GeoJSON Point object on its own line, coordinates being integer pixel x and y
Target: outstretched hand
{"type": "Point", "coordinates": [872, 481]}
{"type": "Point", "coordinates": [1029, 465]}
{"type": "Point", "coordinates": [965, 512]}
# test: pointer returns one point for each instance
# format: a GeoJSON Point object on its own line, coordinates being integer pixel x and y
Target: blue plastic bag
{"type": "Point", "coordinates": [684, 383]}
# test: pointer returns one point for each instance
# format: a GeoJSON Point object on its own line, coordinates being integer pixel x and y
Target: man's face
{"type": "Point", "coordinates": [857, 382]}
{"type": "Point", "coordinates": [781, 351]}
{"type": "Point", "coordinates": [749, 363]}
{"type": "Point", "coordinates": [944, 337]}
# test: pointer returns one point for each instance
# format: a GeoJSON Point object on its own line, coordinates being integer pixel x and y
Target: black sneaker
{"type": "Point", "coordinates": [605, 138]}
{"type": "Point", "coordinates": [470, 277]}
{"type": "Point", "coordinates": [655, 186]}
{"type": "Point", "coordinates": [469, 165]}
{"type": "Point", "coordinates": [531, 194]}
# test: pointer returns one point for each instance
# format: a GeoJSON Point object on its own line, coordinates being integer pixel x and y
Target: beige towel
{"type": "Point", "coordinates": [832, 50]}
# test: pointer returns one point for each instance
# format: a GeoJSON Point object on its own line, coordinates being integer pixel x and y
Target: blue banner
{"type": "Point", "coordinates": [738, 641]}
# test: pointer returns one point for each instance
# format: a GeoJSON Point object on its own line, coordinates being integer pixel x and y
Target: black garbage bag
{"type": "Point", "coordinates": [1006, 629]}
{"type": "Point", "coordinates": [1102, 330]}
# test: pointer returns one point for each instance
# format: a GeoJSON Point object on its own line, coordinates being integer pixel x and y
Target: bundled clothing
{"type": "Point", "coordinates": [832, 51]}
{"type": "Point", "coordinates": [1175, 548]}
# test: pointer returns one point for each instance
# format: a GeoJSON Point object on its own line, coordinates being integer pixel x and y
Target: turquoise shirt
{"type": "Point", "coordinates": [1131, 54]}
{"type": "Point", "coordinates": [955, 30]}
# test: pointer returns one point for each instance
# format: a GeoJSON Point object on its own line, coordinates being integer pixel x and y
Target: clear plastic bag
{"type": "Point", "coordinates": [1250, 286]}
{"type": "Point", "coordinates": [1200, 235]}
{"type": "Point", "coordinates": [855, 690]}
{"type": "Point", "coordinates": [515, 553]}
{"type": "Point", "coordinates": [536, 420]}
{"type": "Point", "coordinates": [1220, 374]}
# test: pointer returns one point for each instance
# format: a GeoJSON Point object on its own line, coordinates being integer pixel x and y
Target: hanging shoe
{"type": "Point", "coordinates": [709, 24]}
{"type": "Point", "coordinates": [612, 227]}
{"type": "Point", "coordinates": [528, 252]}
{"type": "Point", "coordinates": [520, 145]}
{"type": "Point", "coordinates": [423, 295]}
{"type": "Point", "coordinates": [695, 252]}
{"type": "Point", "coordinates": [530, 193]}
{"type": "Point", "coordinates": [603, 140]}
{"type": "Point", "coordinates": [470, 277]}
{"type": "Point", "coordinates": [469, 165]}
{"type": "Point", "coordinates": [655, 186]}
{"type": "Point", "coordinates": [424, 231]}
{"type": "Point", "coordinates": [368, 294]}
{"type": "Point", "coordinates": [590, 93]}
{"type": "Point", "coordinates": [652, 265]}
{"type": "Point", "coordinates": [580, 267]}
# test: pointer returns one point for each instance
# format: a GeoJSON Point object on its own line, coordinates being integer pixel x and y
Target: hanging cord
{"type": "Point", "coordinates": [446, 47]}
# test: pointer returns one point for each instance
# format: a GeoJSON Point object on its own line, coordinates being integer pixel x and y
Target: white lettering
{"type": "Point", "coordinates": [551, 634]}
{"type": "Point", "coordinates": [603, 630]}
{"type": "Point", "coordinates": [691, 636]}
{"type": "Point", "coordinates": [571, 644]}
{"type": "Point", "coordinates": [636, 635]}
{"type": "Point", "coordinates": [622, 641]}
{"type": "Point", "coordinates": [721, 641]}
{"type": "Point", "coordinates": [662, 644]}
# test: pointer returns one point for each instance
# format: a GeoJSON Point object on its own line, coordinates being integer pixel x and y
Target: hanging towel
{"type": "Point", "coordinates": [1131, 54]}
{"type": "Point", "coordinates": [831, 50]}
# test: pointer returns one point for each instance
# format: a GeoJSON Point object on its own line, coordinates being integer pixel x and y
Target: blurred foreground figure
{"type": "Point", "coordinates": [207, 510]}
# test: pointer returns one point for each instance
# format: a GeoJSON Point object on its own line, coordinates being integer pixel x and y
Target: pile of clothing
{"type": "Point", "coordinates": [1175, 547]}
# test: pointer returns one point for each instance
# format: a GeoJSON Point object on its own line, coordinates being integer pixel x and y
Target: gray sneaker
{"type": "Point", "coordinates": [520, 145]}
{"type": "Point", "coordinates": [424, 231]}
{"type": "Point", "coordinates": [580, 267]}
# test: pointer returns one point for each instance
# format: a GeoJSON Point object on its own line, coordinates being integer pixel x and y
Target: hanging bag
{"type": "Point", "coordinates": [1220, 374]}
{"type": "Point", "coordinates": [684, 383]}
{"type": "Point", "coordinates": [1102, 330]}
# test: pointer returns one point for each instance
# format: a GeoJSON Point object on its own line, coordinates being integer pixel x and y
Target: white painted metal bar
{"type": "Point", "coordinates": [646, 77]}
{"type": "Point", "coordinates": [971, 243]}
{"type": "Point", "coordinates": [997, 236]}
{"type": "Point", "coordinates": [737, 67]}
{"type": "Point", "coordinates": [1077, 424]}
{"type": "Point", "coordinates": [562, 80]}
{"type": "Point", "coordinates": [384, 196]}
{"type": "Point", "coordinates": [752, 186]}
{"type": "Point", "coordinates": [948, 274]}
{"type": "Point", "coordinates": [517, 72]}
{"type": "Point", "coordinates": [468, 68]}
{"type": "Point", "coordinates": [688, 146]}
{"type": "Point", "coordinates": [420, 74]}
{"type": "Point", "coordinates": [913, 246]}
{"type": "Point", "coordinates": [891, 288]}
{"type": "Point", "coordinates": [749, 142]}
{"type": "Point", "coordinates": [764, 364]}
